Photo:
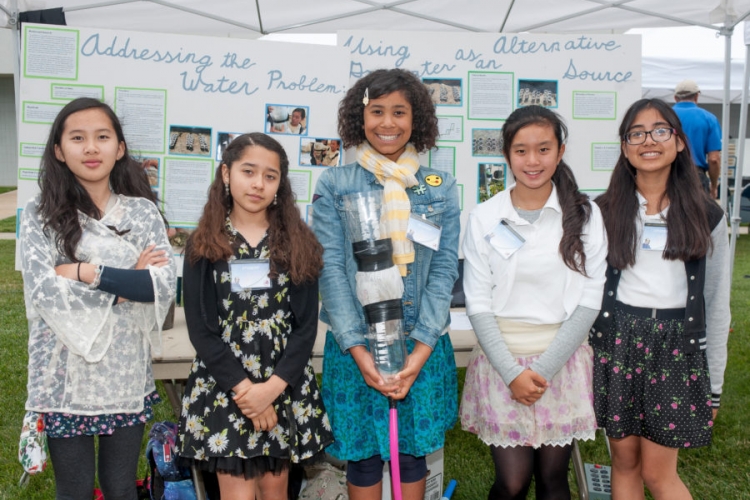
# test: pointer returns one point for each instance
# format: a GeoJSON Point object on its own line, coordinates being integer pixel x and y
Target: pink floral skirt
{"type": "Point", "coordinates": [565, 411]}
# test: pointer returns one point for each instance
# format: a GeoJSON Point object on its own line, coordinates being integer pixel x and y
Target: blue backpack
{"type": "Point", "coordinates": [167, 481]}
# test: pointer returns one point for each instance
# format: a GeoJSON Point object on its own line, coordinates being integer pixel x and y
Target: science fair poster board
{"type": "Point", "coordinates": [181, 100]}
{"type": "Point", "coordinates": [477, 79]}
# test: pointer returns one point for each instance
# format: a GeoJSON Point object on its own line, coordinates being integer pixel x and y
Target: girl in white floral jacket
{"type": "Point", "coordinates": [98, 281]}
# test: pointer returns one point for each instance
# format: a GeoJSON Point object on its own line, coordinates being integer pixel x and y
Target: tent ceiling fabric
{"type": "Point", "coordinates": [251, 18]}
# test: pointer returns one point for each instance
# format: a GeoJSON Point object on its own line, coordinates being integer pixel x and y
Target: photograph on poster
{"type": "Point", "coordinates": [222, 141]}
{"type": "Point", "coordinates": [178, 236]}
{"type": "Point", "coordinates": [445, 92]}
{"type": "Point", "coordinates": [539, 92]}
{"type": "Point", "coordinates": [151, 165]}
{"type": "Point", "coordinates": [486, 142]}
{"type": "Point", "coordinates": [287, 119]}
{"type": "Point", "coordinates": [491, 180]}
{"type": "Point", "coordinates": [320, 152]}
{"type": "Point", "coordinates": [191, 141]}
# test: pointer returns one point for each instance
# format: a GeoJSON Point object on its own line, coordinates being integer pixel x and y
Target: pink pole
{"type": "Point", "coordinates": [395, 469]}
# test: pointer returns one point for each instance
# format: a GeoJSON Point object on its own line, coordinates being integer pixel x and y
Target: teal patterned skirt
{"type": "Point", "coordinates": [359, 414]}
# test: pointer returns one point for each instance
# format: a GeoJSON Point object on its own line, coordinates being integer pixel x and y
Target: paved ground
{"type": "Point", "coordinates": [7, 209]}
{"type": "Point", "coordinates": [8, 204]}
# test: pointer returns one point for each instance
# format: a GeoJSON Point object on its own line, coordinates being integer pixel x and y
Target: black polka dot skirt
{"type": "Point", "coordinates": [646, 385]}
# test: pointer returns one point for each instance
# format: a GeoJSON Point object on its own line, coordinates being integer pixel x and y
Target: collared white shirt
{"type": "Point", "coordinates": [653, 281]}
{"type": "Point", "coordinates": [533, 285]}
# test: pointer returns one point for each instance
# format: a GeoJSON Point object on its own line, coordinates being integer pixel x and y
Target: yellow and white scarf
{"type": "Point", "coordinates": [395, 177]}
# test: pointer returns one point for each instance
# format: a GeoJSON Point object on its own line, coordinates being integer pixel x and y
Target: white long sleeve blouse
{"type": "Point", "coordinates": [533, 285]}
{"type": "Point", "coordinates": [87, 355]}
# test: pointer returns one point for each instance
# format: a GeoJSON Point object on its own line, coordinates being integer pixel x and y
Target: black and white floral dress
{"type": "Point", "coordinates": [255, 327]}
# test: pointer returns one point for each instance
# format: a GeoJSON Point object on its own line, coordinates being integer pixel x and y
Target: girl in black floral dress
{"type": "Point", "coordinates": [661, 337]}
{"type": "Point", "coordinates": [252, 405]}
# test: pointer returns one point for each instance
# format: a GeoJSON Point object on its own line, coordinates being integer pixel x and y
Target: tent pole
{"type": "Point", "coordinates": [727, 33]}
{"type": "Point", "coordinates": [260, 18]}
{"type": "Point", "coordinates": [507, 15]}
{"type": "Point", "coordinates": [14, 22]}
{"type": "Point", "coordinates": [738, 172]}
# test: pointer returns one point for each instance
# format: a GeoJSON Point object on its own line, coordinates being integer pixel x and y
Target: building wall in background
{"type": "Point", "coordinates": [7, 49]}
{"type": "Point", "coordinates": [8, 137]}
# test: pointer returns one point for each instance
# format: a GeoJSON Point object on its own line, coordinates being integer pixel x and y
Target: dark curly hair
{"type": "Point", "coordinates": [576, 207]}
{"type": "Point", "coordinates": [383, 82]}
{"type": "Point", "coordinates": [291, 242]}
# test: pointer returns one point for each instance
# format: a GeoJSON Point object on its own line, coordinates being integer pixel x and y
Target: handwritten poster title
{"type": "Point", "coordinates": [231, 73]}
{"type": "Point", "coordinates": [491, 59]}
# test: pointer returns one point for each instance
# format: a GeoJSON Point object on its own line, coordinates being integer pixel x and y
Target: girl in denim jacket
{"type": "Point", "coordinates": [389, 118]}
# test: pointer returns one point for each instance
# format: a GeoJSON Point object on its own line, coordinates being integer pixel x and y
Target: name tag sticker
{"type": "Point", "coordinates": [420, 230]}
{"type": "Point", "coordinates": [504, 239]}
{"type": "Point", "coordinates": [250, 274]}
{"type": "Point", "coordinates": [654, 236]}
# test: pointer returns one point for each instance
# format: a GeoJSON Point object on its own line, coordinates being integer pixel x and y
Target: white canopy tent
{"type": "Point", "coordinates": [253, 18]}
{"type": "Point", "coordinates": [248, 18]}
{"type": "Point", "coordinates": [660, 74]}
{"type": "Point", "coordinates": [672, 54]}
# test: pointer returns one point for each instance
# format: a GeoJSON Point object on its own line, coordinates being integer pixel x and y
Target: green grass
{"type": "Point", "coordinates": [8, 225]}
{"type": "Point", "coordinates": [13, 339]}
{"type": "Point", "coordinates": [721, 471]}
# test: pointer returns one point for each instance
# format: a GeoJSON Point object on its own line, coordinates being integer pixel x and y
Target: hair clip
{"type": "Point", "coordinates": [366, 97]}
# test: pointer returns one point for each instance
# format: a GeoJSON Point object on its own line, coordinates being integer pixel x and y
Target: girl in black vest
{"type": "Point", "coordinates": [653, 344]}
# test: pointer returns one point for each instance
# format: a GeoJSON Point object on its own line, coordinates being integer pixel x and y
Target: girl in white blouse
{"type": "Point", "coordinates": [533, 277]}
{"type": "Point", "coordinates": [665, 316]}
{"type": "Point", "coordinates": [98, 281]}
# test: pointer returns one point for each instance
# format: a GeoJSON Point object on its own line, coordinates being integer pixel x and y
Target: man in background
{"type": "Point", "coordinates": [703, 132]}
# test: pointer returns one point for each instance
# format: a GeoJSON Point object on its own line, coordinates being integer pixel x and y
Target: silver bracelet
{"type": "Point", "coordinates": [97, 277]}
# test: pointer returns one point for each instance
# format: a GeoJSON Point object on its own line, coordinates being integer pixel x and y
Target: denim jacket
{"type": "Point", "coordinates": [429, 280]}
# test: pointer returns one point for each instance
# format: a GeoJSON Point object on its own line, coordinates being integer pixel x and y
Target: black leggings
{"type": "Point", "coordinates": [369, 472]}
{"type": "Point", "coordinates": [514, 468]}
{"type": "Point", "coordinates": [73, 461]}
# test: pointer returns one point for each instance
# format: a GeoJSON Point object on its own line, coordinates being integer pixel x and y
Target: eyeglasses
{"type": "Point", "coordinates": [657, 135]}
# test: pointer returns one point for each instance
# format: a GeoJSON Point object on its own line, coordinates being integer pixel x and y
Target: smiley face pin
{"type": "Point", "coordinates": [433, 180]}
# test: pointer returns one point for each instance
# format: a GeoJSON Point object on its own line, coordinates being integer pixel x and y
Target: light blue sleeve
{"type": "Point", "coordinates": [569, 337]}
{"type": "Point", "coordinates": [435, 302]}
{"type": "Point", "coordinates": [339, 300]}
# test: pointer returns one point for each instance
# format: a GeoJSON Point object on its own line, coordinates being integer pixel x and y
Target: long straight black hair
{"type": "Point", "coordinates": [688, 229]}
{"type": "Point", "coordinates": [576, 207]}
{"type": "Point", "coordinates": [62, 196]}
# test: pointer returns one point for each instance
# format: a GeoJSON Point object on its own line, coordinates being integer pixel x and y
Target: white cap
{"type": "Point", "coordinates": [686, 88]}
